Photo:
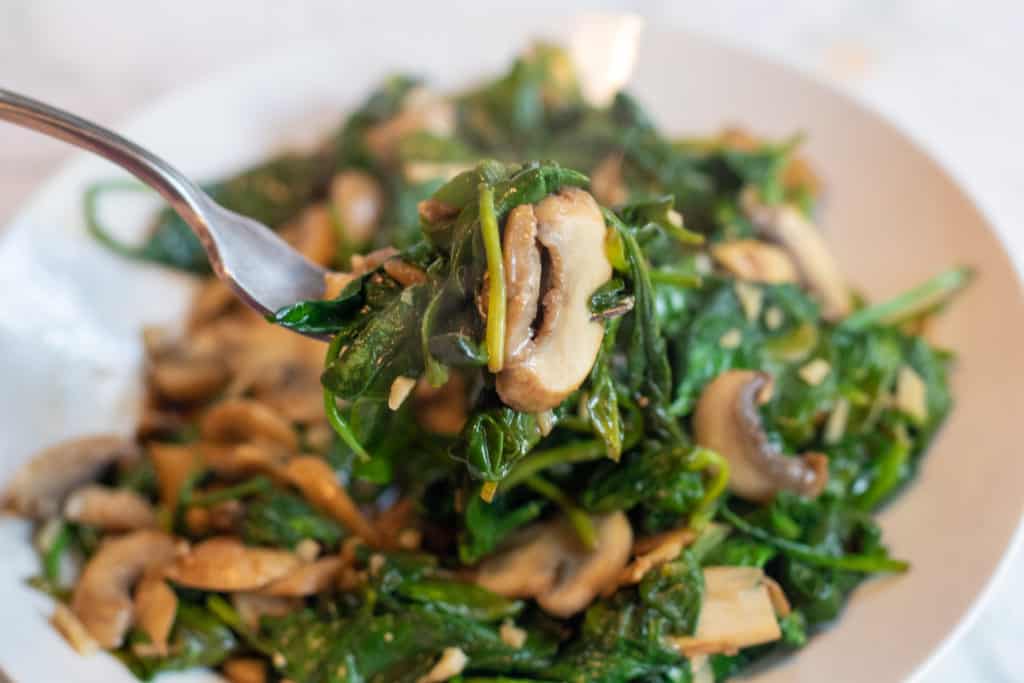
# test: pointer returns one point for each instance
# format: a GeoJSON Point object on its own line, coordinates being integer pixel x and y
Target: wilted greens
{"type": "Point", "coordinates": [468, 426]}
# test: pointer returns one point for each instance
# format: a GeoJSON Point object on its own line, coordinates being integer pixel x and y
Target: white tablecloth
{"type": "Point", "coordinates": [950, 72]}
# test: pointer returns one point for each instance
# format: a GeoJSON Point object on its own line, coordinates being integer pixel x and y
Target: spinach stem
{"type": "Point", "coordinates": [805, 553]}
{"type": "Point", "coordinates": [580, 520]}
{"type": "Point", "coordinates": [537, 461]}
{"type": "Point", "coordinates": [675, 278]}
{"type": "Point", "coordinates": [701, 460]}
{"type": "Point", "coordinates": [334, 416]}
{"type": "Point", "coordinates": [496, 280]}
{"type": "Point", "coordinates": [915, 301]}
{"type": "Point", "coordinates": [887, 474]}
{"type": "Point", "coordinates": [90, 202]}
{"type": "Point", "coordinates": [51, 560]}
{"type": "Point", "coordinates": [246, 488]}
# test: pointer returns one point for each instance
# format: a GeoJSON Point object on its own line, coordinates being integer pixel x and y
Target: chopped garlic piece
{"type": "Point", "coordinates": [731, 339]}
{"type": "Point", "coordinates": [773, 318]}
{"type": "Point", "coordinates": [307, 549]}
{"type": "Point", "coordinates": [751, 297]}
{"type": "Point", "coordinates": [452, 662]}
{"type": "Point", "coordinates": [512, 635]}
{"type": "Point", "coordinates": [815, 372]}
{"type": "Point", "coordinates": [912, 394]}
{"type": "Point", "coordinates": [837, 419]}
{"type": "Point", "coordinates": [400, 390]}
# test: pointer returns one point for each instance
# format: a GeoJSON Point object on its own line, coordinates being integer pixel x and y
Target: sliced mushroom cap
{"type": "Point", "coordinates": [756, 261]}
{"type": "Point", "coordinates": [225, 564]}
{"type": "Point", "coordinates": [238, 420]}
{"type": "Point", "coordinates": [309, 579]}
{"type": "Point", "coordinates": [39, 486]}
{"type": "Point", "coordinates": [549, 367]}
{"type": "Point", "coordinates": [357, 201]}
{"type": "Point", "coordinates": [547, 562]}
{"type": "Point", "coordinates": [109, 509]}
{"type": "Point", "coordinates": [736, 612]}
{"type": "Point", "coordinates": [173, 464]}
{"type": "Point", "coordinates": [156, 605]}
{"type": "Point", "coordinates": [727, 421]}
{"type": "Point", "coordinates": [319, 485]}
{"type": "Point", "coordinates": [313, 235]}
{"type": "Point", "coordinates": [788, 226]}
{"type": "Point", "coordinates": [102, 599]}
{"type": "Point", "coordinates": [245, 670]}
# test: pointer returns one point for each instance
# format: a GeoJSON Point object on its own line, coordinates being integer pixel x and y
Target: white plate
{"type": "Point", "coordinates": [70, 312]}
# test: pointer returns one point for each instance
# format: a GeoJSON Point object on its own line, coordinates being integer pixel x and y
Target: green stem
{"type": "Point", "coordinates": [580, 520]}
{"type": "Point", "coordinates": [51, 559]}
{"type": "Point", "coordinates": [677, 279]}
{"type": "Point", "coordinates": [334, 416]}
{"type": "Point", "coordinates": [887, 475]}
{"type": "Point", "coordinates": [90, 202]}
{"type": "Point", "coordinates": [701, 460]}
{"type": "Point", "coordinates": [805, 553]}
{"type": "Point", "coordinates": [233, 620]}
{"type": "Point", "coordinates": [920, 299]}
{"type": "Point", "coordinates": [496, 280]}
{"type": "Point", "coordinates": [246, 488]}
{"type": "Point", "coordinates": [538, 461]}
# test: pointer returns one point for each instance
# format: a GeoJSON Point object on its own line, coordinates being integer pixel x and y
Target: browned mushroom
{"type": "Point", "coordinates": [357, 202]}
{"type": "Point", "coordinates": [173, 464]}
{"type": "Point", "coordinates": [756, 261]}
{"type": "Point", "coordinates": [225, 564]}
{"type": "Point", "coordinates": [39, 486]}
{"type": "Point", "coordinates": [547, 561]}
{"type": "Point", "coordinates": [238, 420]}
{"type": "Point", "coordinates": [245, 670]}
{"type": "Point", "coordinates": [309, 579]}
{"type": "Point", "coordinates": [319, 484]}
{"type": "Point", "coordinates": [727, 421]}
{"type": "Point", "coordinates": [444, 409]}
{"type": "Point", "coordinates": [102, 599]}
{"type": "Point", "coordinates": [313, 235]}
{"type": "Point", "coordinates": [787, 225]}
{"type": "Point", "coordinates": [155, 608]}
{"type": "Point", "coordinates": [109, 509]}
{"type": "Point", "coordinates": [737, 612]}
{"type": "Point", "coordinates": [606, 181]}
{"type": "Point", "coordinates": [539, 373]}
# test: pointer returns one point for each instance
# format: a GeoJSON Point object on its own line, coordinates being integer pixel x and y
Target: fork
{"type": "Point", "coordinates": [263, 269]}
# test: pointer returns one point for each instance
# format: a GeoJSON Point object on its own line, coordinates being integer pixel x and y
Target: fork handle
{"type": "Point", "coordinates": [184, 196]}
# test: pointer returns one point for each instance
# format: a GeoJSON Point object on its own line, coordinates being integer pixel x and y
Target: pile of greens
{"type": "Point", "coordinates": [622, 442]}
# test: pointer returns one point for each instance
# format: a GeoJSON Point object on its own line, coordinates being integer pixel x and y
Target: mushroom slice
{"type": "Point", "coordinates": [312, 235]}
{"type": "Point", "coordinates": [788, 226]}
{"type": "Point", "coordinates": [522, 279]}
{"type": "Point", "coordinates": [756, 261]}
{"type": "Point", "coordinates": [109, 509]}
{"type": "Point", "coordinates": [319, 484]}
{"type": "Point", "coordinates": [38, 487]}
{"type": "Point", "coordinates": [237, 420]}
{"type": "Point", "coordinates": [155, 608]}
{"type": "Point", "coordinates": [252, 607]}
{"type": "Point", "coordinates": [173, 464]}
{"type": "Point", "coordinates": [245, 670]}
{"type": "Point", "coordinates": [727, 421]}
{"type": "Point", "coordinates": [358, 202]}
{"type": "Point", "coordinates": [607, 183]}
{"type": "Point", "coordinates": [737, 612]}
{"type": "Point", "coordinates": [225, 564]}
{"type": "Point", "coordinates": [546, 561]}
{"type": "Point", "coordinates": [571, 231]}
{"type": "Point", "coordinates": [309, 579]}
{"type": "Point", "coordinates": [102, 599]}
{"type": "Point", "coordinates": [444, 409]}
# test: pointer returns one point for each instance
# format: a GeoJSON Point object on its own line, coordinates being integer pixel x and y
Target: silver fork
{"type": "Point", "coordinates": [263, 269]}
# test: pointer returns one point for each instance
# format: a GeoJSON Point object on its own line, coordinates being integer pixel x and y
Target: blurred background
{"type": "Point", "coordinates": [947, 72]}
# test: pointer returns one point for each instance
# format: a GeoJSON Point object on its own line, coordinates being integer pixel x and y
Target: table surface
{"type": "Point", "coordinates": [947, 71]}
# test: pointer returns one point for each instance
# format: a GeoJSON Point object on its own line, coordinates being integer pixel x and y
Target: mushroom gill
{"type": "Point", "coordinates": [727, 421]}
